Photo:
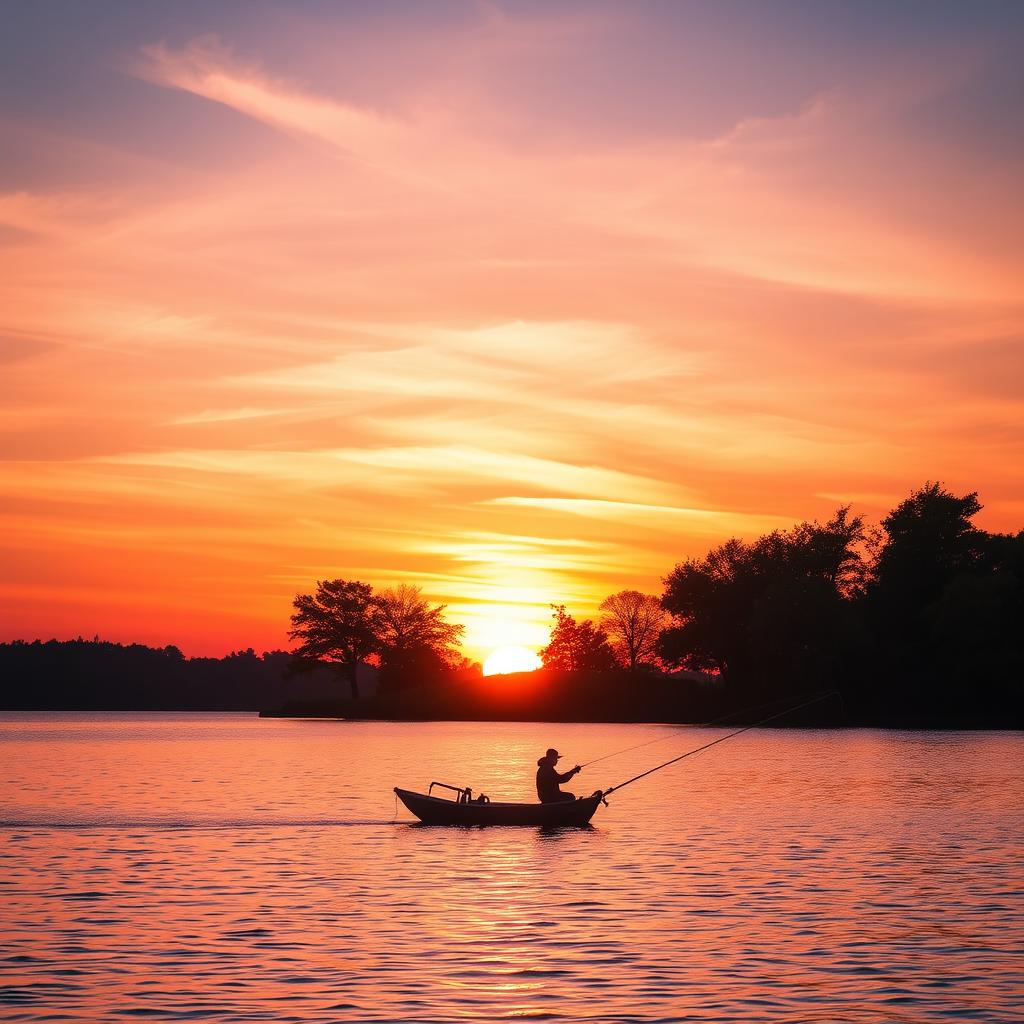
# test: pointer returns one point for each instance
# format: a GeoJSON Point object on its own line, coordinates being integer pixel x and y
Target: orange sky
{"type": "Point", "coordinates": [522, 303]}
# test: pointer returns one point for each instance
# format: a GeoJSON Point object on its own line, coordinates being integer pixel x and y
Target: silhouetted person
{"type": "Point", "coordinates": [548, 779]}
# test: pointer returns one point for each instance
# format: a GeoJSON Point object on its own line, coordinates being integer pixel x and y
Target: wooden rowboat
{"type": "Point", "coordinates": [433, 810]}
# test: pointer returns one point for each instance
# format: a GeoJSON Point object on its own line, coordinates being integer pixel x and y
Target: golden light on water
{"type": "Point", "coordinates": [511, 659]}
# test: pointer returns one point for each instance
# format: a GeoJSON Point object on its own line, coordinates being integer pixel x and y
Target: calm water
{"type": "Point", "coordinates": [222, 868]}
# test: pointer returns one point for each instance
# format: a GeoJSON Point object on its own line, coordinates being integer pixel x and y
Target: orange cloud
{"type": "Point", "coordinates": [399, 342]}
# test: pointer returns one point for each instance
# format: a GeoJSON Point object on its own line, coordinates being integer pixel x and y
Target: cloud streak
{"type": "Point", "coordinates": [453, 303]}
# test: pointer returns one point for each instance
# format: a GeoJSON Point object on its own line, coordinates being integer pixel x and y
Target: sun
{"type": "Point", "coordinates": [510, 659]}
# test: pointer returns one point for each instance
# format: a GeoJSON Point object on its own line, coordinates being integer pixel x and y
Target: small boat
{"type": "Point", "coordinates": [464, 810]}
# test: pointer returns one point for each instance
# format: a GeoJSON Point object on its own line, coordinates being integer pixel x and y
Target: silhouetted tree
{"type": "Point", "coordinates": [928, 539]}
{"type": "Point", "coordinates": [576, 647]}
{"type": "Point", "coordinates": [974, 627]}
{"type": "Point", "coordinates": [414, 641]}
{"type": "Point", "coordinates": [944, 604]}
{"type": "Point", "coordinates": [709, 599]}
{"type": "Point", "coordinates": [777, 612]}
{"type": "Point", "coordinates": [633, 623]}
{"type": "Point", "coordinates": [336, 624]}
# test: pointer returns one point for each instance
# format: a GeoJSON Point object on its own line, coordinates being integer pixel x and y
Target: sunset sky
{"type": "Point", "coordinates": [522, 302]}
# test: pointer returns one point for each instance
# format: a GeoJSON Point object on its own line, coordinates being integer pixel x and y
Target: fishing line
{"type": "Point", "coordinates": [721, 739]}
{"type": "Point", "coordinates": [701, 725]}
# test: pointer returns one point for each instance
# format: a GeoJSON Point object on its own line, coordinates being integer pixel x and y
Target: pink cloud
{"type": "Point", "coordinates": [397, 328]}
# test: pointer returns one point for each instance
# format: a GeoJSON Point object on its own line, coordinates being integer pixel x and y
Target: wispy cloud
{"type": "Point", "coordinates": [208, 68]}
{"type": "Point", "coordinates": [454, 303]}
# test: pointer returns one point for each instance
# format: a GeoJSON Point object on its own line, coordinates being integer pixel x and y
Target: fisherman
{"type": "Point", "coordinates": [548, 779]}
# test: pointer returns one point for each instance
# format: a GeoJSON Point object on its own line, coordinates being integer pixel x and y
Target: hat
{"type": "Point", "coordinates": [553, 753]}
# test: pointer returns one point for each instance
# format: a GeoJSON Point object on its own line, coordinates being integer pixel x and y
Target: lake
{"type": "Point", "coordinates": [227, 868]}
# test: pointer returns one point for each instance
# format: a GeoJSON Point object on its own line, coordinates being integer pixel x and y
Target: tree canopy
{"type": "Point", "coordinates": [946, 600]}
{"type": "Point", "coordinates": [576, 646]}
{"type": "Point", "coordinates": [345, 622]}
{"type": "Point", "coordinates": [770, 613]}
{"type": "Point", "coordinates": [336, 624]}
{"type": "Point", "coordinates": [414, 641]}
{"type": "Point", "coordinates": [633, 623]}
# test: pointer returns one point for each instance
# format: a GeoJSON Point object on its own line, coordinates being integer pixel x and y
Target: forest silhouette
{"type": "Point", "coordinates": [915, 622]}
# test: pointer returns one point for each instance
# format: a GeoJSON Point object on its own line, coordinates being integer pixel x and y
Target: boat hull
{"type": "Point", "coordinates": [434, 811]}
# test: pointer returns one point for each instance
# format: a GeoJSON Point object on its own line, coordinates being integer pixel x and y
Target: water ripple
{"type": "Point", "coordinates": [200, 871]}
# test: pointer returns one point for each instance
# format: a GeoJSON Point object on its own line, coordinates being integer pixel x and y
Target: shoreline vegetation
{"type": "Point", "coordinates": [544, 696]}
{"type": "Point", "coordinates": [914, 623]}
{"type": "Point", "coordinates": [97, 676]}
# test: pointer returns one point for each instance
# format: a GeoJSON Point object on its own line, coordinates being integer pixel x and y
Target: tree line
{"type": "Point", "coordinates": [915, 620]}
{"type": "Point", "coordinates": [99, 675]}
{"type": "Point", "coordinates": [922, 611]}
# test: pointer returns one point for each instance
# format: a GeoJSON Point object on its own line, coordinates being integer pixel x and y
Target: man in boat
{"type": "Point", "coordinates": [548, 779]}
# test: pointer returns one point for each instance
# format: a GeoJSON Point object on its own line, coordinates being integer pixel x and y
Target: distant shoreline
{"type": "Point", "coordinates": [342, 712]}
{"type": "Point", "coordinates": [95, 676]}
{"type": "Point", "coordinates": [301, 714]}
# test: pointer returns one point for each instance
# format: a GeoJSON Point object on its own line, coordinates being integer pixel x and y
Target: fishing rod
{"type": "Point", "coordinates": [703, 725]}
{"type": "Point", "coordinates": [721, 739]}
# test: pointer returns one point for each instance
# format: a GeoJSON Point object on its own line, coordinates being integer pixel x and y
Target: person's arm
{"type": "Point", "coordinates": [566, 776]}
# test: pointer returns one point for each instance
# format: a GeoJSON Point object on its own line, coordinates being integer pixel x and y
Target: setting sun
{"type": "Point", "coordinates": [511, 659]}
